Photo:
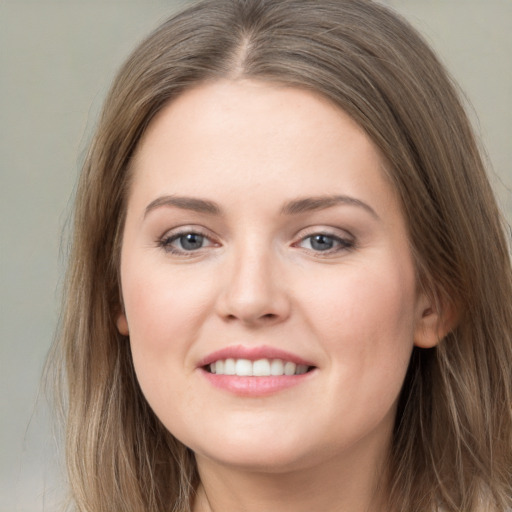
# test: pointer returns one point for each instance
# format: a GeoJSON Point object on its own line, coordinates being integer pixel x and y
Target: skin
{"type": "Point", "coordinates": [353, 311]}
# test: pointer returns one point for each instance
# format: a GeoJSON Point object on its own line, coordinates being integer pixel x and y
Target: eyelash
{"type": "Point", "coordinates": [342, 244]}
{"type": "Point", "coordinates": [166, 242]}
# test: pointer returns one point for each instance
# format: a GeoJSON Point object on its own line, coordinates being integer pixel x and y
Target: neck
{"type": "Point", "coordinates": [353, 484]}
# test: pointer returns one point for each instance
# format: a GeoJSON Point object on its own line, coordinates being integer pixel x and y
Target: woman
{"type": "Point", "coordinates": [289, 287]}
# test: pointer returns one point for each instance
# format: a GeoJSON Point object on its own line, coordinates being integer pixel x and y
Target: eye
{"type": "Point", "coordinates": [324, 242]}
{"type": "Point", "coordinates": [184, 242]}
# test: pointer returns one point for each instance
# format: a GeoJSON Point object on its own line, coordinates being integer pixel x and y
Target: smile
{"type": "Point", "coordinates": [258, 368]}
{"type": "Point", "coordinates": [255, 371]}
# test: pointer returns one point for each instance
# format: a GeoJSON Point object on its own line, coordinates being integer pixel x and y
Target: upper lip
{"type": "Point", "coordinates": [252, 354]}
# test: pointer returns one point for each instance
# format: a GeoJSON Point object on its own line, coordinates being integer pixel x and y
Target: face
{"type": "Point", "coordinates": [268, 287]}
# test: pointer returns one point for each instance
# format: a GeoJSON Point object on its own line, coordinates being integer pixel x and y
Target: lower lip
{"type": "Point", "coordinates": [255, 386]}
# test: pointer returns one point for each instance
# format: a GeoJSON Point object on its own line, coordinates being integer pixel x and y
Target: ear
{"type": "Point", "coordinates": [122, 324]}
{"type": "Point", "coordinates": [436, 318]}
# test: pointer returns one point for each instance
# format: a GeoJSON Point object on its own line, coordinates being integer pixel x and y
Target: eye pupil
{"type": "Point", "coordinates": [322, 242]}
{"type": "Point", "coordinates": [191, 241]}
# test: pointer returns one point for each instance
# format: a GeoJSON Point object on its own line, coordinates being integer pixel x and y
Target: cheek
{"type": "Point", "coordinates": [163, 307]}
{"type": "Point", "coordinates": [165, 314]}
{"type": "Point", "coordinates": [366, 320]}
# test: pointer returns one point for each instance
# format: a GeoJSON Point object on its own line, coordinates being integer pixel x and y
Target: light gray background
{"type": "Point", "coordinates": [57, 59]}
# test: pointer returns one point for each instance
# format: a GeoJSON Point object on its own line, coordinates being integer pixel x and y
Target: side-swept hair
{"type": "Point", "coordinates": [452, 444]}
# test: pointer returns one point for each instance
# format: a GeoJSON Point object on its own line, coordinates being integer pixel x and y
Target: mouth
{"type": "Point", "coordinates": [258, 368]}
{"type": "Point", "coordinates": [257, 371]}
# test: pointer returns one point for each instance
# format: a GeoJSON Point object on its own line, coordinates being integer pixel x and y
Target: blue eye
{"type": "Point", "coordinates": [190, 241]}
{"type": "Point", "coordinates": [322, 242]}
{"type": "Point", "coordinates": [183, 243]}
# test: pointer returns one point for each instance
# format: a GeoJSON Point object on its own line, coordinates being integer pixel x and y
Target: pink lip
{"type": "Point", "coordinates": [253, 354]}
{"type": "Point", "coordinates": [253, 386]}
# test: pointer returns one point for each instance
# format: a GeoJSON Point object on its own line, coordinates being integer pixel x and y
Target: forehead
{"type": "Point", "coordinates": [249, 135]}
{"type": "Point", "coordinates": [264, 110]}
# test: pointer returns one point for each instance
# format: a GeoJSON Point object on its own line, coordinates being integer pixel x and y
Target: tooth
{"type": "Point", "coordinates": [243, 367]}
{"type": "Point", "coordinates": [289, 368]}
{"type": "Point", "coordinates": [276, 367]}
{"type": "Point", "coordinates": [261, 368]}
{"type": "Point", "coordinates": [219, 367]}
{"type": "Point", "coordinates": [301, 369]}
{"type": "Point", "coordinates": [229, 367]}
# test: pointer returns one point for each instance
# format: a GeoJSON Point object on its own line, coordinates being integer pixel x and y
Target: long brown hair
{"type": "Point", "coordinates": [452, 445]}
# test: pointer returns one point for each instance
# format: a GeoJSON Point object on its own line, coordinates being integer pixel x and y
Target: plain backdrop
{"type": "Point", "coordinates": [57, 59]}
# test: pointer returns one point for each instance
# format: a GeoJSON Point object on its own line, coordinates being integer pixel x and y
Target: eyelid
{"type": "Point", "coordinates": [346, 240]}
{"type": "Point", "coordinates": [325, 230]}
{"type": "Point", "coordinates": [170, 235]}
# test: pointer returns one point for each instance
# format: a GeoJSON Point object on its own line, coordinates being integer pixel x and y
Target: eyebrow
{"type": "Point", "coordinates": [185, 203]}
{"type": "Point", "coordinates": [294, 207]}
{"type": "Point", "coordinates": [308, 204]}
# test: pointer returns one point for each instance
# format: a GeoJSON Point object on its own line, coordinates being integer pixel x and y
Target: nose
{"type": "Point", "coordinates": [254, 291]}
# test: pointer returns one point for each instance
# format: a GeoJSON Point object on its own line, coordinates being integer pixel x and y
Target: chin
{"type": "Point", "coordinates": [267, 454]}
{"type": "Point", "coordinates": [256, 461]}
